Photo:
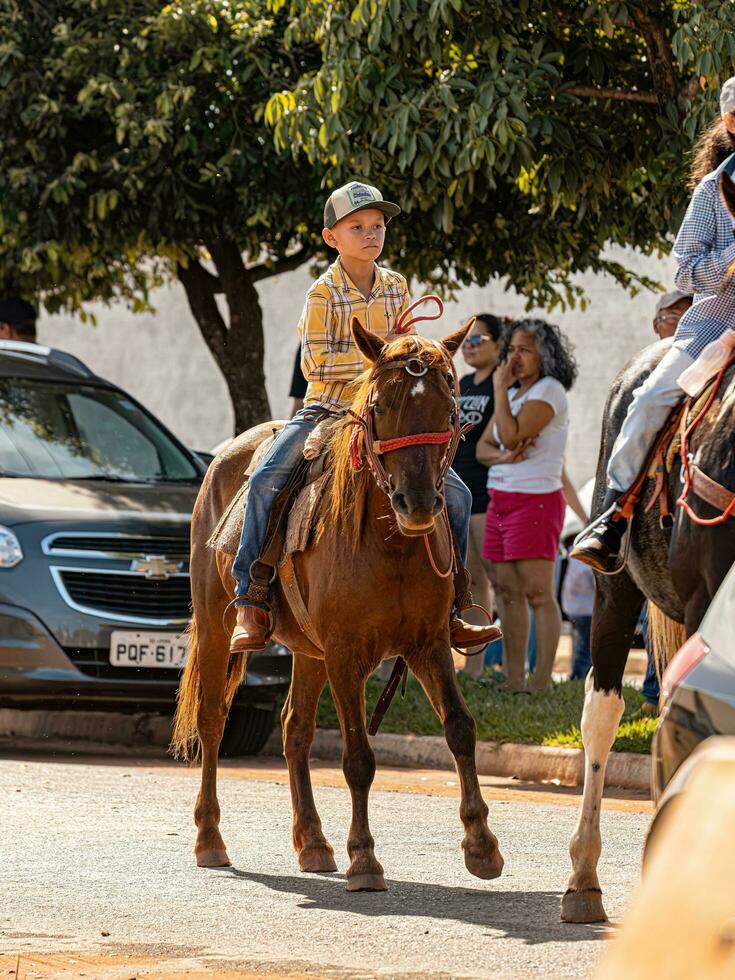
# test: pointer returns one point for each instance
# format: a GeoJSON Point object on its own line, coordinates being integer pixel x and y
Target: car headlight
{"type": "Point", "coordinates": [11, 553]}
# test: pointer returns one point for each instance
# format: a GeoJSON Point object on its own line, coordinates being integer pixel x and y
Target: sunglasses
{"type": "Point", "coordinates": [475, 340]}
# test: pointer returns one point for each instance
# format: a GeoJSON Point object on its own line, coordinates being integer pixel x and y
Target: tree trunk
{"type": "Point", "coordinates": [238, 348]}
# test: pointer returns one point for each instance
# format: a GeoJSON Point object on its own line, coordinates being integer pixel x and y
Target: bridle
{"type": "Point", "coordinates": [365, 449]}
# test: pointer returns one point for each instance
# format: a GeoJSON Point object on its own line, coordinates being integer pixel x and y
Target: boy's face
{"type": "Point", "coordinates": [359, 236]}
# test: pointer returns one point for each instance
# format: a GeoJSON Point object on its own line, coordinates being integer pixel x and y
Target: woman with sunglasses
{"type": "Point", "coordinates": [481, 351]}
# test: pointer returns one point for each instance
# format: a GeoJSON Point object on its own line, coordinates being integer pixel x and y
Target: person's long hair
{"type": "Point", "coordinates": [714, 145]}
{"type": "Point", "coordinates": [555, 350]}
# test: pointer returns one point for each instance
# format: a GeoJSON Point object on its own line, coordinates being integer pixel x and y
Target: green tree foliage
{"type": "Point", "coordinates": [522, 139]}
{"type": "Point", "coordinates": [134, 148]}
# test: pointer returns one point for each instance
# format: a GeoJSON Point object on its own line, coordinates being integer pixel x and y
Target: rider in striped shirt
{"type": "Point", "coordinates": [705, 250]}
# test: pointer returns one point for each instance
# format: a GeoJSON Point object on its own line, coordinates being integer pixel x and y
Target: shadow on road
{"type": "Point", "coordinates": [530, 916]}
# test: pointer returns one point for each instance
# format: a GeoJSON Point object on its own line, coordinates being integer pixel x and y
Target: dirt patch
{"type": "Point", "coordinates": [132, 966]}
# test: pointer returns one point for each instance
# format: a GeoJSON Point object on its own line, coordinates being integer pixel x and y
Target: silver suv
{"type": "Point", "coordinates": [95, 508]}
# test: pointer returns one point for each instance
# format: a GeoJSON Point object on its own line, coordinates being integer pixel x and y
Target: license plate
{"type": "Point", "coordinates": [166, 650]}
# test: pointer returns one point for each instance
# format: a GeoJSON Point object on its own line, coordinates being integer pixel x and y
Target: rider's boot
{"type": "Point", "coordinates": [599, 544]}
{"type": "Point", "coordinates": [465, 636]}
{"type": "Point", "coordinates": [252, 630]}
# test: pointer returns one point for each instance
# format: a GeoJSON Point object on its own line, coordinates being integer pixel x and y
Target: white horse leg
{"type": "Point", "coordinates": [582, 901]}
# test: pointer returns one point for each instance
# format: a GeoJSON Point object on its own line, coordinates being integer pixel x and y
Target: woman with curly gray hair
{"type": "Point", "coordinates": [523, 446]}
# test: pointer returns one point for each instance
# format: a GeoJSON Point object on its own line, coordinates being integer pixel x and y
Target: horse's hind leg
{"type": "Point", "coordinates": [213, 657]}
{"type": "Point", "coordinates": [617, 608]}
{"type": "Point", "coordinates": [299, 724]}
{"type": "Point", "coordinates": [365, 873]}
{"type": "Point", "coordinates": [435, 669]}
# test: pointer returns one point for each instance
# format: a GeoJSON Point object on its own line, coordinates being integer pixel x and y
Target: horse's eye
{"type": "Point", "coordinates": [378, 410]}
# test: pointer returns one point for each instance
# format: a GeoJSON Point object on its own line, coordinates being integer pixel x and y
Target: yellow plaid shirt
{"type": "Point", "coordinates": [329, 357]}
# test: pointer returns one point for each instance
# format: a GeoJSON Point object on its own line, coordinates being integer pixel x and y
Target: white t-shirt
{"type": "Point", "coordinates": [540, 472]}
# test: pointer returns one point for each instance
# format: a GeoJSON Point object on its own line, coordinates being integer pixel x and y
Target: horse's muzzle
{"type": "Point", "coordinates": [415, 514]}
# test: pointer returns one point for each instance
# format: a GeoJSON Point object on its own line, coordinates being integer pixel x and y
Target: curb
{"type": "Point", "coordinates": [530, 763]}
{"type": "Point", "coordinates": [98, 731]}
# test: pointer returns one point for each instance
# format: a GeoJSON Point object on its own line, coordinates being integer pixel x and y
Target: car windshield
{"type": "Point", "coordinates": [63, 431]}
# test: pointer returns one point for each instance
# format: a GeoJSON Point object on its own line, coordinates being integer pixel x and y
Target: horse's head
{"type": "Point", "coordinates": [411, 420]}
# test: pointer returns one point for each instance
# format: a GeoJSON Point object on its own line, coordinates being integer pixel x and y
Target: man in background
{"type": "Point", "coordinates": [669, 310]}
{"type": "Point", "coordinates": [17, 320]}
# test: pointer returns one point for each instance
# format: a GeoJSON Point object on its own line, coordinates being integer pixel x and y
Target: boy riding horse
{"type": "Point", "coordinates": [355, 219]}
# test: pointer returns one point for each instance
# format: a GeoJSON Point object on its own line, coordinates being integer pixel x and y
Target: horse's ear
{"type": "Point", "coordinates": [727, 193]}
{"type": "Point", "coordinates": [369, 344]}
{"type": "Point", "coordinates": [454, 341]}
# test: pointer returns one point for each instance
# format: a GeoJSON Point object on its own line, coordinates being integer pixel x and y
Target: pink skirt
{"type": "Point", "coordinates": [520, 526]}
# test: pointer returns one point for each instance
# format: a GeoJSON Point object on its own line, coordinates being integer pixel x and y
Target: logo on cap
{"type": "Point", "coordinates": [359, 194]}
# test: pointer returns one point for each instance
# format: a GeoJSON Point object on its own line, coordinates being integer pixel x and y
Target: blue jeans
{"type": "Point", "coordinates": [271, 476]}
{"type": "Point", "coordinates": [581, 657]}
{"type": "Point", "coordinates": [650, 689]}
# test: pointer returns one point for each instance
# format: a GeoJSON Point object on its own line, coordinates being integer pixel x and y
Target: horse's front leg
{"type": "Point", "coordinates": [617, 608]}
{"type": "Point", "coordinates": [299, 724]}
{"type": "Point", "coordinates": [435, 669]}
{"type": "Point", "coordinates": [347, 681]}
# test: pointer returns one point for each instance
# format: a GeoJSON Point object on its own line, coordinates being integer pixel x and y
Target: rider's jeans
{"type": "Point", "coordinates": [266, 482]}
{"type": "Point", "coordinates": [652, 402]}
{"type": "Point", "coordinates": [271, 476]}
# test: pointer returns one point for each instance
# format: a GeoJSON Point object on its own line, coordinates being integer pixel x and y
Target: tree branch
{"type": "Point", "coordinates": [660, 55]}
{"type": "Point", "coordinates": [200, 290]}
{"type": "Point", "coordinates": [619, 94]}
{"type": "Point", "coordinates": [264, 271]}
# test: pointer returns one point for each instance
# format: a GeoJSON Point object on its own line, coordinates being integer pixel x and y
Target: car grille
{"type": "Point", "coordinates": [172, 546]}
{"type": "Point", "coordinates": [95, 662]}
{"type": "Point", "coordinates": [129, 595]}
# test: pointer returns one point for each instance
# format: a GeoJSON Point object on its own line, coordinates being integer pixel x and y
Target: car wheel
{"type": "Point", "coordinates": [247, 730]}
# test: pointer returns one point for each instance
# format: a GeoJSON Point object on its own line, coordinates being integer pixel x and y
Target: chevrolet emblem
{"type": "Point", "coordinates": [155, 566]}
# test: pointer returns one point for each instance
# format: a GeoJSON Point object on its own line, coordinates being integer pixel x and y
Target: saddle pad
{"type": "Point", "coordinates": [226, 536]}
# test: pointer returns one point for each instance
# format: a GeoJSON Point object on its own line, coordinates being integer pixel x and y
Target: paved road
{"type": "Point", "coordinates": [91, 847]}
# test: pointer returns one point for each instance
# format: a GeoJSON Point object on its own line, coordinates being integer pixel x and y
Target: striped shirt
{"type": "Point", "coordinates": [705, 250]}
{"type": "Point", "coordinates": [330, 358]}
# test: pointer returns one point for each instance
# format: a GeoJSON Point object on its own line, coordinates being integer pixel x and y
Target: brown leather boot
{"type": "Point", "coordinates": [465, 635]}
{"type": "Point", "coordinates": [252, 630]}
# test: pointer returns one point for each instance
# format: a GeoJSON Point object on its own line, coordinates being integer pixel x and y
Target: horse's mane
{"type": "Point", "coordinates": [346, 498]}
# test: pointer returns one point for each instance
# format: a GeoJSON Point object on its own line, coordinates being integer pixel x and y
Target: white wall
{"type": "Point", "coordinates": [162, 360]}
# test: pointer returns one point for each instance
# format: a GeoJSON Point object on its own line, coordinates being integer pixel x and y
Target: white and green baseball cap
{"type": "Point", "coordinates": [356, 196]}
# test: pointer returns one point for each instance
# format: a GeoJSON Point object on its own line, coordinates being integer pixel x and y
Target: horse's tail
{"type": "Point", "coordinates": [185, 737]}
{"type": "Point", "coordinates": [666, 636]}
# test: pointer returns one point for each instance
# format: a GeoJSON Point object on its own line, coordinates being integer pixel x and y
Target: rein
{"type": "Point", "coordinates": [695, 479]}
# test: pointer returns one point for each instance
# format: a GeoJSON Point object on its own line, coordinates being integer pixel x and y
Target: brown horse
{"type": "Point", "coordinates": [371, 594]}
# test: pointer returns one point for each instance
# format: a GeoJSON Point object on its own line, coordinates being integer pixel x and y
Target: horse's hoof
{"type": "Point", "coordinates": [583, 906]}
{"type": "Point", "coordinates": [366, 883]}
{"type": "Point", "coordinates": [216, 857]}
{"type": "Point", "coordinates": [487, 867]}
{"type": "Point", "coordinates": [317, 859]}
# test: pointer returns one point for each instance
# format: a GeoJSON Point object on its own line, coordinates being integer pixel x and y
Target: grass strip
{"type": "Point", "coordinates": [551, 718]}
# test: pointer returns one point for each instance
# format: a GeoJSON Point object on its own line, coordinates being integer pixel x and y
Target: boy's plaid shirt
{"type": "Point", "coordinates": [329, 356]}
